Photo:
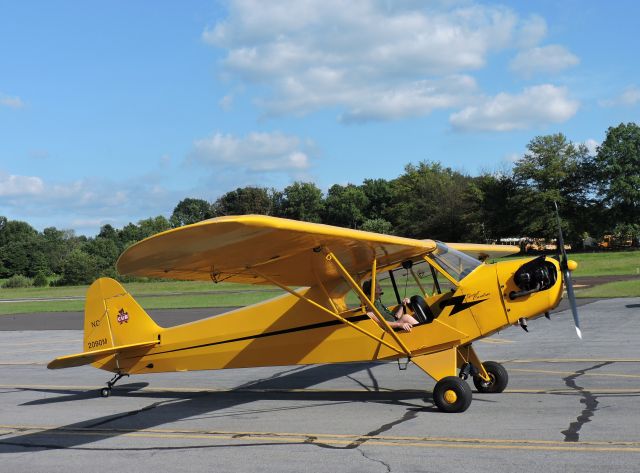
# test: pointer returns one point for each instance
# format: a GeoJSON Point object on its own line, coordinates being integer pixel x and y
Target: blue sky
{"type": "Point", "coordinates": [111, 112]}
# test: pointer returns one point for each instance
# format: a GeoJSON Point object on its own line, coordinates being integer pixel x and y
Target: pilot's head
{"type": "Point", "coordinates": [366, 288]}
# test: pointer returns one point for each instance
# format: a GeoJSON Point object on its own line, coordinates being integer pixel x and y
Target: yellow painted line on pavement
{"type": "Point", "coordinates": [572, 391]}
{"type": "Point", "coordinates": [335, 439]}
{"type": "Point", "coordinates": [48, 342]}
{"type": "Point", "coordinates": [29, 351]}
{"type": "Point", "coordinates": [496, 341]}
{"type": "Point", "coordinates": [417, 392]}
{"type": "Point", "coordinates": [12, 363]}
{"type": "Point", "coordinates": [572, 360]}
{"type": "Point", "coordinates": [611, 375]}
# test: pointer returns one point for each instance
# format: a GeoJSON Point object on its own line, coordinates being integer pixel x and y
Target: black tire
{"type": "Point", "coordinates": [105, 392]}
{"type": "Point", "coordinates": [499, 378]}
{"type": "Point", "coordinates": [451, 394]}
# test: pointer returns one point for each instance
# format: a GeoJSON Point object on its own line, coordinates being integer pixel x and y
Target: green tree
{"type": "Point", "coordinates": [379, 194]}
{"type": "Point", "coordinates": [553, 170]}
{"type": "Point", "coordinates": [57, 244]}
{"type": "Point", "coordinates": [494, 196]}
{"type": "Point", "coordinates": [377, 225]}
{"type": "Point", "coordinates": [344, 206]}
{"type": "Point", "coordinates": [20, 249]}
{"type": "Point", "coordinates": [431, 201]}
{"type": "Point", "coordinates": [245, 200]}
{"type": "Point", "coordinates": [190, 211]}
{"type": "Point", "coordinates": [302, 201]}
{"type": "Point", "coordinates": [128, 235]}
{"type": "Point", "coordinates": [79, 268]}
{"type": "Point", "coordinates": [617, 165]}
{"type": "Point", "coordinates": [105, 252]}
{"type": "Point", "coordinates": [153, 225]}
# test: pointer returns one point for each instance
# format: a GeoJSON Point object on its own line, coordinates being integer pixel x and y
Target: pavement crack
{"type": "Point", "coordinates": [126, 414]}
{"type": "Point", "coordinates": [590, 401]}
{"type": "Point", "coordinates": [386, 465]}
{"type": "Point", "coordinates": [408, 415]}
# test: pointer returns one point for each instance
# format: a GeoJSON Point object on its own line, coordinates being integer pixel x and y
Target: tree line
{"type": "Point", "coordinates": [598, 193]}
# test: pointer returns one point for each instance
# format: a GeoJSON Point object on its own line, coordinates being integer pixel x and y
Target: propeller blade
{"type": "Point", "coordinates": [566, 274]}
{"type": "Point", "coordinates": [572, 301]}
{"type": "Point", "coordinates": [560, 242]}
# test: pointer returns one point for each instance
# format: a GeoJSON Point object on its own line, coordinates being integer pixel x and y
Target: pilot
{"type": "Point", "coordinates": [396, 320]}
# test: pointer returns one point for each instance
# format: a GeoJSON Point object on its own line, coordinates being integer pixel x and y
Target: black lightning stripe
{"type": "Point", "coordinates": [458, 304]}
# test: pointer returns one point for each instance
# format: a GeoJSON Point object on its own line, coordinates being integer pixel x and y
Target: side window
{"type": "Point", "coordinates": [432, 281]}
{"type": "Point", "coordinates": [421, 278]}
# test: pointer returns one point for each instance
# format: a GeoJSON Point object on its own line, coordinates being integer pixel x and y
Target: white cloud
{"type": "Point", "coordinates": [628, 98]}
{"type": "Point", "coordinates": [226, 102]}
{"type": "Point", "coordinates": [16, 186]}
{"type": "Point", "coordinates": [11, 102]}
{"type": "Point", "coordinates": [83, 204]}
{"type": "Point", "coordinates": [532, 31]}
{"type": "Point", "coordinates": [512, 157]}
{"type": "Point", "coordinates": [376, 60]}
{"type": "Point", "coordinates": [592, 146]}
{"type": "Point", "coordinates": [256, 152]}
{"type": "Point", "coordinates": [547, 59]}
{"type": "Point", "coordinates": [535, 106]}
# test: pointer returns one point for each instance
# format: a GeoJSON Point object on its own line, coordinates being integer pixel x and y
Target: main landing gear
{"type": "Point", "coordinates": [106, 392]}
{"type": "Point", "coordinates": [498, 378]}
{"type": "Point", "coordinates": [453, 394]}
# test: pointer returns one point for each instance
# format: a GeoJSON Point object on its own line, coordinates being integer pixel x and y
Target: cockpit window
{"type": "Point", "coordinates": [454, 262]}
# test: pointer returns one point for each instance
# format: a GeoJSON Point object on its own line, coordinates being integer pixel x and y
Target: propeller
{"type": "Point", "coordinates": [566, 275]}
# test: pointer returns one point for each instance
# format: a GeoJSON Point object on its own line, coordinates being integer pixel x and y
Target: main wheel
{"type": "Point", "coordinates": [451, 394]}
{"type": "Point", "coordinates": [105, 392]}
{"type": "Point", "coordinates": [498, 375]}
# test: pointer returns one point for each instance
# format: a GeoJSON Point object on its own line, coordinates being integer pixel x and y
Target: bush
{"type": "Point", "coordinates": [17, 280]}
{"type": "Point", "coordinates": [40, 280]}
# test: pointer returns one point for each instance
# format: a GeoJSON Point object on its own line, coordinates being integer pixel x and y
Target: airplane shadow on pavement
{"type": "Point", "coordinates": [172, 406]}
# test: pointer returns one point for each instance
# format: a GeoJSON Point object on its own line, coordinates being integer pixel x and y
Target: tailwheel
{"type": "Point", "coordinates": [498, 378]}
{"type": "Point", "coordinates": [106, 392]}
{"type": "Point", "coordinates": [451, 394]}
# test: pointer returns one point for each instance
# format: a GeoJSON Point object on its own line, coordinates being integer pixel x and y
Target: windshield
{"type": "Point", "coordinates": [454, 262]}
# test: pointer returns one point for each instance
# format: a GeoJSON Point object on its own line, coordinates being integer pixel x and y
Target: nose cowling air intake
{"type": "Point", "coordinates": [534, 276]}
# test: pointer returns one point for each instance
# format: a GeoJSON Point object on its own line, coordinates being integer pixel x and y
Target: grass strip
{"type": "Point", "coordinates": [630, 288]}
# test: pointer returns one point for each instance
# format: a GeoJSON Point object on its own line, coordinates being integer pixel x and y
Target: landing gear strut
{"type": "Point", "coordinates": [106, 392]}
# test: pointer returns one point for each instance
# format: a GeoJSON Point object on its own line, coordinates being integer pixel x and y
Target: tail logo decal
{"type": "Point", "coordinates": [123, 317]}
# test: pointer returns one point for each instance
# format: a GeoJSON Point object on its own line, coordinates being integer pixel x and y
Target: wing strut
{"type": "Point", "coordinates": [330, 312]}
{"type": "Point", "coordinates": [332, 258]}
{"type": "Point", "coordinates": [403, 350]}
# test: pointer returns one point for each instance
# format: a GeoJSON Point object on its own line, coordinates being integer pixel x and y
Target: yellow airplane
{"type": "Point", "coordinates": [460, 299]}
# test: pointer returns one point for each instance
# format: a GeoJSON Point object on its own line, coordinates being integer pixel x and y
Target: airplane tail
{"type": "Point", "coordinates": [113, 318]}
{"type": "Point", "coordinates": [114, 323]}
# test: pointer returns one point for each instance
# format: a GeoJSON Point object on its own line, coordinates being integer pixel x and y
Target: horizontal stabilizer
{"type": "Point", "coordinates": [89, 357]}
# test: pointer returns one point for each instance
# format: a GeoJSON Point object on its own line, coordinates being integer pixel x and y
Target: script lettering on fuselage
{"type": "Point", "coordinates": [477, 296]}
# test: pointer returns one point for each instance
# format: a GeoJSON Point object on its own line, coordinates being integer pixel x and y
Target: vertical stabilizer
{"type": "Point", "coordinates": [113, 318]}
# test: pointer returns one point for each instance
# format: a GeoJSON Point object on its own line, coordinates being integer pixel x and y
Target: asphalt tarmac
{"type": "Point", "coordinates": [570, 406]}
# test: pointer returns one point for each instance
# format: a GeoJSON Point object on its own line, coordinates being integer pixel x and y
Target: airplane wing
{"type": "Point", "coordinates": [482, 252]}
{"type": "Point", "coordinates": [242, 248]}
